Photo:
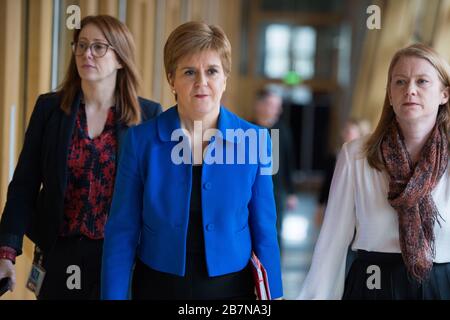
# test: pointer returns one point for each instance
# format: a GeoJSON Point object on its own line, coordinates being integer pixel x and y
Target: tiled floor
{"type": "Point", "coordinates": [299, 235]}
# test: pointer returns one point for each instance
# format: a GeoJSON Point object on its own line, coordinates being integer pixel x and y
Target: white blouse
{"type": "Point", "coordinates": [358, 200]}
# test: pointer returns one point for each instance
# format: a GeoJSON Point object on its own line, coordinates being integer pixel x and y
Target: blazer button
{"type": "Point", "coordinates": [210, 227]}
{"type": "Point", "coordinates": [207, 185]}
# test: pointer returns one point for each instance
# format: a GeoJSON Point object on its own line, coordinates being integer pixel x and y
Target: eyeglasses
{"type": "Point", "coordinates": [98, 49]}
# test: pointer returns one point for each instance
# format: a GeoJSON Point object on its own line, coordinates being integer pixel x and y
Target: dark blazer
{"type": "Point", "coordinates": [35, 199]}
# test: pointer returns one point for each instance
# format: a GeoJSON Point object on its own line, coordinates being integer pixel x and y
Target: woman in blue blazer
{"type": "Point", "coordinates": [193, 198]}
{"type": "Point", "coordinates": [62, 187]}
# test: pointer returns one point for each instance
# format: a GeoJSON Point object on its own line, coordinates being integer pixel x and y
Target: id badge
{"type": "Point", "coordinates": [35, 279]}
{"type": "Point", "coordinates": [37, 273]}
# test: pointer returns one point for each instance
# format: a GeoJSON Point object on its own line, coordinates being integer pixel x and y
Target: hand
{"type": "Point", "coordinates": [7, 269]}
{"type": "Point", "coordinates": [318, 215]}
{"type": "Point", "coordinates": [291, 202]}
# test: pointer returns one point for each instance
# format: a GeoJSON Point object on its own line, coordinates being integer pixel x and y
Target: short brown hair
{"type": "Point", "coordinates": [193, 37]}
{"type": "Point", "coordinates": [419, 50]}
{"type": "Point", "coordinates": [118, 36]}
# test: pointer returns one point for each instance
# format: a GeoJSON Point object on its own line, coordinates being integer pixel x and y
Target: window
{"type": "Point", "coordinates": [277, 40]}
{"type": "Point", "coordinates": [289, 48]}
{"type": "Point", "coordinates": [304, 51]}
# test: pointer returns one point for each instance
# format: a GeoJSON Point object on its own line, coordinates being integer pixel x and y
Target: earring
{"type": "Point", "coordinates": [173, 91]}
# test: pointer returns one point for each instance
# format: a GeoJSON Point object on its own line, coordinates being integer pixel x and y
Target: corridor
{"type": "Point", "coordinates": [299, 236]}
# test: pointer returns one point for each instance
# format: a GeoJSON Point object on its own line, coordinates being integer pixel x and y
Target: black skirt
{"type": "Point", "coordinates": [383, 276]}
{"type": "Point", "coordinates": [149, 284]}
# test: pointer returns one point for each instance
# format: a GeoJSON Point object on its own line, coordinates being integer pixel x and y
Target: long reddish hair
{"type": "Point", "coordinates": [118, 36]}
{"type": "Point", "coordinates": [373, 144]}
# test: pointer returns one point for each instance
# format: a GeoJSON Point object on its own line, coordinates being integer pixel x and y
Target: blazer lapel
{"type": "Point", "coordinates": [66, 130]}
{"type": "Point", "coordinates": [121, 129]}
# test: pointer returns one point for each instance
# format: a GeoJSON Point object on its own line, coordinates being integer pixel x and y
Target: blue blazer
{"type": "Point", "coordinates": [150, 209]}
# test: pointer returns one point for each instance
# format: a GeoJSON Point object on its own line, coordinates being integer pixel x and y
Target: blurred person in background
{"type": "Point", "coordinates": [353, 129]}
{"type": "Point", "coordinates": [267, 113]}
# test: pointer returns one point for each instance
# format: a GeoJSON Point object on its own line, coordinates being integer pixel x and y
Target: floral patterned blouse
{"type": "Point", "coordinates": [90, 180]}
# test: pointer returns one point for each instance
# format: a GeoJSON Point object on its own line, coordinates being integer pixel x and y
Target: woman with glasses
{"type": "Point", "coordinates": [62, 187]}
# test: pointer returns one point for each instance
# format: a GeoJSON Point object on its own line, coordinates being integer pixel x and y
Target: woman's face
{"type": "Point", "coordinates": [416, 91]}
{"type": "Point", "coordinates": [90, 67]}
{"type": "Point", "coordinates": [199, 82]}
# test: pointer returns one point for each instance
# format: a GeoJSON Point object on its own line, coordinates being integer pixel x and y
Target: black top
{"type": "Point", "coordinates": [195, 238]}
{"type": "Point", "coordinates": [196, 284]}
{"type": "Point", "coordinates": [282, 180]}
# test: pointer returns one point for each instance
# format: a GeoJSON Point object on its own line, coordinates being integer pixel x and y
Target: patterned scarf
{"type": "Point", "coordinates": [410, 195]}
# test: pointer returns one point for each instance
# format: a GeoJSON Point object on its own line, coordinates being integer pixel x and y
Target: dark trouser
{"type": "Point", "coordinates": [383, 276]}
{"type": "Point", "coordinates": [60, 282]}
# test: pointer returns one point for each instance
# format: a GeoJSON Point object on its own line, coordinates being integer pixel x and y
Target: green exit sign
{"type": "Point", "coordinates": [292, 78]}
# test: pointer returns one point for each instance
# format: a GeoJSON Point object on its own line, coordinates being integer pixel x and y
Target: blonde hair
{"type": "Point", "coordinates": [373, 144]}
{"type": "Point", "coordinates": [193, 37]}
